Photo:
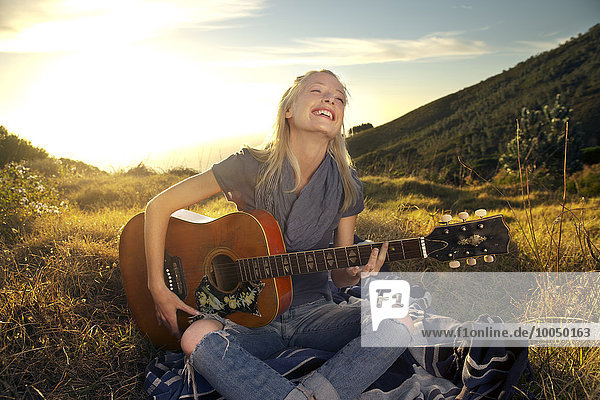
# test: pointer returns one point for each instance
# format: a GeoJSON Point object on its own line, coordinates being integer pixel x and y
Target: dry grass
{"type": "Point", "coordinates": [65, 330]}
{"type": "Point", "coordinates": [407, 207]}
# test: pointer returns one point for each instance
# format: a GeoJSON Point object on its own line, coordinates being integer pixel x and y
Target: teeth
{"type": "Point", "coordinates": [325, 112]}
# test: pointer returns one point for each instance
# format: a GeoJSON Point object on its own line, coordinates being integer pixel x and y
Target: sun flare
{"type": "Point", "coordinates": [114, 106]}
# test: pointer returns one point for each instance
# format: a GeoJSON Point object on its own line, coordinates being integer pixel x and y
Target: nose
{"type": "Point", "coordinates": [329, 98]}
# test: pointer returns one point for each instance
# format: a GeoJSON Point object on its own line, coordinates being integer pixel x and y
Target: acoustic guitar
{"type": "Point", "coordinates": [237, 265]}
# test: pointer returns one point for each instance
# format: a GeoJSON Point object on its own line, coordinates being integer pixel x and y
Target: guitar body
{"type": "Point", "coordinates": [198, 247]}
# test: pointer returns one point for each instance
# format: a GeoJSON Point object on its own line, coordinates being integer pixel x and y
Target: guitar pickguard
{"type": "Point", "coordinates": [210, 300]}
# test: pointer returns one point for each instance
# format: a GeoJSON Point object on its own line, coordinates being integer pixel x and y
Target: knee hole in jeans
{"type": "Point", "coordinates": [194, 334]}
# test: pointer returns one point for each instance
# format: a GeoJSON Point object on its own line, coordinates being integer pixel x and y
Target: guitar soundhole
{"type": "Point", "coordinates": [223, 273]}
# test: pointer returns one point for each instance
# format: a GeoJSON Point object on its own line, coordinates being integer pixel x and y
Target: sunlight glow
{"type": "Point", "coordinates": [105, 107]}
{"type": "Point", "coordinates": [67, 25]}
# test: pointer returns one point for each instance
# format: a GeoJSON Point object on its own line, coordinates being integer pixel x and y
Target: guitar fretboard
{"type": "Point", "coordinates": [305, 262]}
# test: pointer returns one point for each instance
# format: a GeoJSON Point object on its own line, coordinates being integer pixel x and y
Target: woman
{"type": "Point", "coordinates": [303, 177]}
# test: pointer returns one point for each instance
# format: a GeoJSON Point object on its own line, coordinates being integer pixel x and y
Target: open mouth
{"type": "Point", "coordinates": [323, 112]}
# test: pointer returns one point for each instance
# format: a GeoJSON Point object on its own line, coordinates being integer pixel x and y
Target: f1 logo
{"type": "Point", "coordinates": [388, 299]}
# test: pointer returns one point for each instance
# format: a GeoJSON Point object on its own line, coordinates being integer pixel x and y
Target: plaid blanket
{"type": "Point", "coordinates": [423, 373]}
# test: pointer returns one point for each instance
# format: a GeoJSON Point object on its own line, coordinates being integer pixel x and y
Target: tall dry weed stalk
{"type": "Point", "coordinates": [526, 199]}
{"type": "Point", "coordinates": [543, 254]}
{"type": "Point", "coordinates": [564, 199]}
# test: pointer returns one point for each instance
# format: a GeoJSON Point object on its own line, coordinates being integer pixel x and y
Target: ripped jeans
{"type": "Point", "coordinates": [230, 359]}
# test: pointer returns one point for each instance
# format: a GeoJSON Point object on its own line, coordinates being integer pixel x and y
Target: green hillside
{"type": "Point", "coordinates": [477, 122]}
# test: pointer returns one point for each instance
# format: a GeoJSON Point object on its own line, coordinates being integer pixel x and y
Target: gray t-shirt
{"type": "Point", "coordinates": [237, 176]}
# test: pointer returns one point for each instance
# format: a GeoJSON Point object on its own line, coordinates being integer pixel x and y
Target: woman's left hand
{"type": "Point", "coordinates": [374, 264]}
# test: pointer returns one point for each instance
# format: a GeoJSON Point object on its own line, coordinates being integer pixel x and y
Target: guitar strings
{"type": "Point", "coordinates": [234, 269]}
{"type": "Point", "coordinates": [316, 257]}
{"type": "Point", "coordinates": [317, 254]}
{"type": "Point", "coordinates": [235, 264]}
{"type": "Point", "coordinates": [250, 275]}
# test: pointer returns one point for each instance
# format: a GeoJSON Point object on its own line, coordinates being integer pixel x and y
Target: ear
{"type": "Point", "coordinates": [288, 113]}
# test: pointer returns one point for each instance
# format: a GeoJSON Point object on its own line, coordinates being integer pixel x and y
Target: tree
{"type": "Point", "coordinates": [362, 127]}
{"type": "Point", "coordinates": [13, 148]}
{"type": "Point", "coordinates": [541, 141]}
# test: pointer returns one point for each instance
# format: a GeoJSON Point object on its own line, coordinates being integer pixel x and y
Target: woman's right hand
{"type": "Point", "coordinates": [166, 304]}
{"type": "Point", "coordinates": [183, 194]}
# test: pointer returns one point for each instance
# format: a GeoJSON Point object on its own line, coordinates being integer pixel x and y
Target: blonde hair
{"type": "Point", "coordinates": [277, 146]}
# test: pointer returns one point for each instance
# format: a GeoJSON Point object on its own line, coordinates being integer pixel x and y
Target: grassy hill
{"type": "Point", "coordinates": [66, 331]}
{"type": "Point", "coordinates": [477, 122]}
{"type": "Point", "coordinates": [65, 328]}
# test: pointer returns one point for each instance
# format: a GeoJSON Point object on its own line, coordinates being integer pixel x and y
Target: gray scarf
{"type": "Point", "coordinates": [304, 219]}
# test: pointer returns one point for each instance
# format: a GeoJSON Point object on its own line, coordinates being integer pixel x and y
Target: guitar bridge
{"type": "Point", "coordinates": [173, 272]}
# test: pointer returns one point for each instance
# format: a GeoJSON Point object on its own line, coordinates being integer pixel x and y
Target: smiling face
{"type": "Point", "coordinates": [319, 107]}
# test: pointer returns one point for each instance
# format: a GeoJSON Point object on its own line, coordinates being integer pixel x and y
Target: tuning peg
{"type": "Point", "coordinates": [488, 258]}
{"type": "Point", "coordinates": [482, 212]}
{"type": "Point", "coordinates": [463, 215]}
{"type": "Point", "coordinates": [454, 264]}
{"type": "Point", "coordinates": [471, 261]}
{"type": "Point", "coordinates": [446, 218]}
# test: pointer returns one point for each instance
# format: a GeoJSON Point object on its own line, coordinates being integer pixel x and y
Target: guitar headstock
{"type": "Point", "coordinates": [468, 239]}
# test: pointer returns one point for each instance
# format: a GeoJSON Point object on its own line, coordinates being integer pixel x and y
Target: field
{"type": "Point", "coordinates": [65, 329]}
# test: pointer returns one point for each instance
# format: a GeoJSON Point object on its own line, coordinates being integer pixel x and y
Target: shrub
{"type": "Point", "coordinates": [182, 171]}
{"type": "Point", "coordinates": [23, 197]}
{"type": "Point", "coordinates": [591, 155]}
{"type": "Point", "coordinates": [540, 143]}
{"type": "Point", "coordinates": [140, 170]}
{"type": "Point", "coordinates": [586, 183]}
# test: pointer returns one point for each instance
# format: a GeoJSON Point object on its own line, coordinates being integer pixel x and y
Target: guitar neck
{"type": "Point", "coordinates": [306, 262]}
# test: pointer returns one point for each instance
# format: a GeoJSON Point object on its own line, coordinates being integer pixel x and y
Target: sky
{"type": "Point", "coordinates": [186, 82]}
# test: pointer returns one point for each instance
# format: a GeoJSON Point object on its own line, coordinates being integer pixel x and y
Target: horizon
{"type": "Point", "coordinates": [184, 84]}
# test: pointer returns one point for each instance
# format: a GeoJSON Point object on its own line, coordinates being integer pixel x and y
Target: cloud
{"type": "Point", "coordinates": [64, 25]}
{"type": "Point", "coordinates": [351, 51]}
{"type": "Point", "coordinates": [463, 6]}
{"type": "Point", "coordinates": [541, 45]}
